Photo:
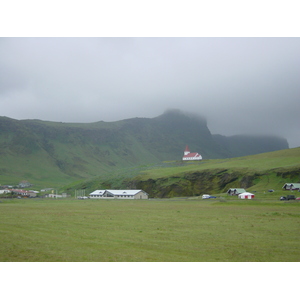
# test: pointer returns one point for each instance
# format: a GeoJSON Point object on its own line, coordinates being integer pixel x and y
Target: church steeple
{"type": "Point", "coordinates": [187, 150]}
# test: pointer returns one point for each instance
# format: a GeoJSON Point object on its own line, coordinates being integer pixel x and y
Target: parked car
{"type": "Point", "coordinates": [298, 198]}
{"type": "Point", "coordinates": [271, 191]}
{"type": "Point", "coordinates": [288, 197]}
{"type": "Point", "coordinates": [205, 196]}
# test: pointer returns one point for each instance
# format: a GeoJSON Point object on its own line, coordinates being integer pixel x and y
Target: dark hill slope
{"type": "Point", "coordinates": [167, 135]}
{"type": "Point", "coordinates": [241, 145]}
{"type": "Point", "coordinates": [53, 152]}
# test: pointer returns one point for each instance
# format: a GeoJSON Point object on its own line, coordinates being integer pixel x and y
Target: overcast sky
{"type": "Point", "coordinates": [241, 85]}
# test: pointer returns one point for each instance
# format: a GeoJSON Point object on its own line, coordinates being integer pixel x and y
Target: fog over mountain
{"type": "Point", "coordinates": [240, 85]}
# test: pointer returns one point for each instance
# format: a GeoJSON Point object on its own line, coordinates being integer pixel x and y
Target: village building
{"type": "Point", "coordinates": [235, 191]}
{"type": "Point", "coordinates": [292, 186]}
{"type": "Point", "coordinates": [188, 155]}
{"type": "Point", "coordinates": [63, 195]}
{"type": "Point", "coordinates": [4, 191]}
{"type": "Point", "coordinates": [47, 189]}
{"type": "Point", "coordinates": [119, 194]}
{"type": "Point", "coordinates": [24, 184]}
{"type": "Point", "coordinates": [246, 195]}
{"type": "Point", "coordinates": [24, 193]}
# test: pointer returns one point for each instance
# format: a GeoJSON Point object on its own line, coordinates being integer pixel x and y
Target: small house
{"type": "Point", "coordinates": [291, 186]}
{"type": "Point", "coordinates": [32, 194]}
{"type": "Point", "coordinates": [24, 184]}
{"type": "Point", "coordinates": [235, 191]}
{"type": "Point", "coordinates": [5, 191]}
{"type": "Point", "coordinates": [54, 196]}
{"type": "Point", "coordinates": [246, 195]}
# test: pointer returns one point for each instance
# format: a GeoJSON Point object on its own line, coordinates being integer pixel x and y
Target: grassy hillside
{"type": "Point", "coordinates": [288, 158]}
{"type": "Point", "coordinates": [176, 178]}
{"type": "Point", "coordinates": [56, 154]}
{"type": "Point", "coordinates": [256, 172]}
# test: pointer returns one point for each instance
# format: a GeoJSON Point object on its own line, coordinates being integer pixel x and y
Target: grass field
{"type": "Point", "coordinates": [177, 230]}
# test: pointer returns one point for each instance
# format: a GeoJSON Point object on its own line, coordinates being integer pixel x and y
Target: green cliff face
{"type": "Point", "coordinates": [213, 182]}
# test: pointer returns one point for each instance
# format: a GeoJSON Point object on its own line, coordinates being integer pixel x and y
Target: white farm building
{"type": "Point", "coordinates": [187, 155]}
{"type": "Point", "coordinates": [292, 186]}
{"type": "Point", "coordinates": [119, 194]}
{"type": "Point", "coordinates": [246, 195]}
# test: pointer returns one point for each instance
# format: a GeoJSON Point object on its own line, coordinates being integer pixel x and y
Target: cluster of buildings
{"type": "Point", "coordinates": [243, 194]}
{"type": "Point", "coordinates": [30, 193]}
{"type": "Point", "coordinates": [19, 190]}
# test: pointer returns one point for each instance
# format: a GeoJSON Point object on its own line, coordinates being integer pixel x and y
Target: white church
{"type": "Point", "coordinates": [187, 155]}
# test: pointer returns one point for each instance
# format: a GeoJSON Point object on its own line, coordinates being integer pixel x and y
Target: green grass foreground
{"type": "Point", "coordinates": [177, 230]}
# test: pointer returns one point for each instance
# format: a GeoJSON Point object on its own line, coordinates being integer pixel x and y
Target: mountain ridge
{"type": "Point", "coordinates": [57, 152]}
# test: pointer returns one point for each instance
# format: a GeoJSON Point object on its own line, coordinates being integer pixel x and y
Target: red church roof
{"type": "Point", "coordinates": [192, 155]}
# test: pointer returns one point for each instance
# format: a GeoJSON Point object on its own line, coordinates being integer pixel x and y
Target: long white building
{"type": "Point", "coordinates": [119, 194]}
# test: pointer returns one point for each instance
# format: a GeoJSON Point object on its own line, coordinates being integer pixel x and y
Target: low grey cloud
{"type": "Point", "coordinates": [240, 85]}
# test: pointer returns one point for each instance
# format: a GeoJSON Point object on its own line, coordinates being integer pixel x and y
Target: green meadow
{"type": "Point", "coordinates": [269, 161]}
{"type": "Point", "coordinates": [173, 230]}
